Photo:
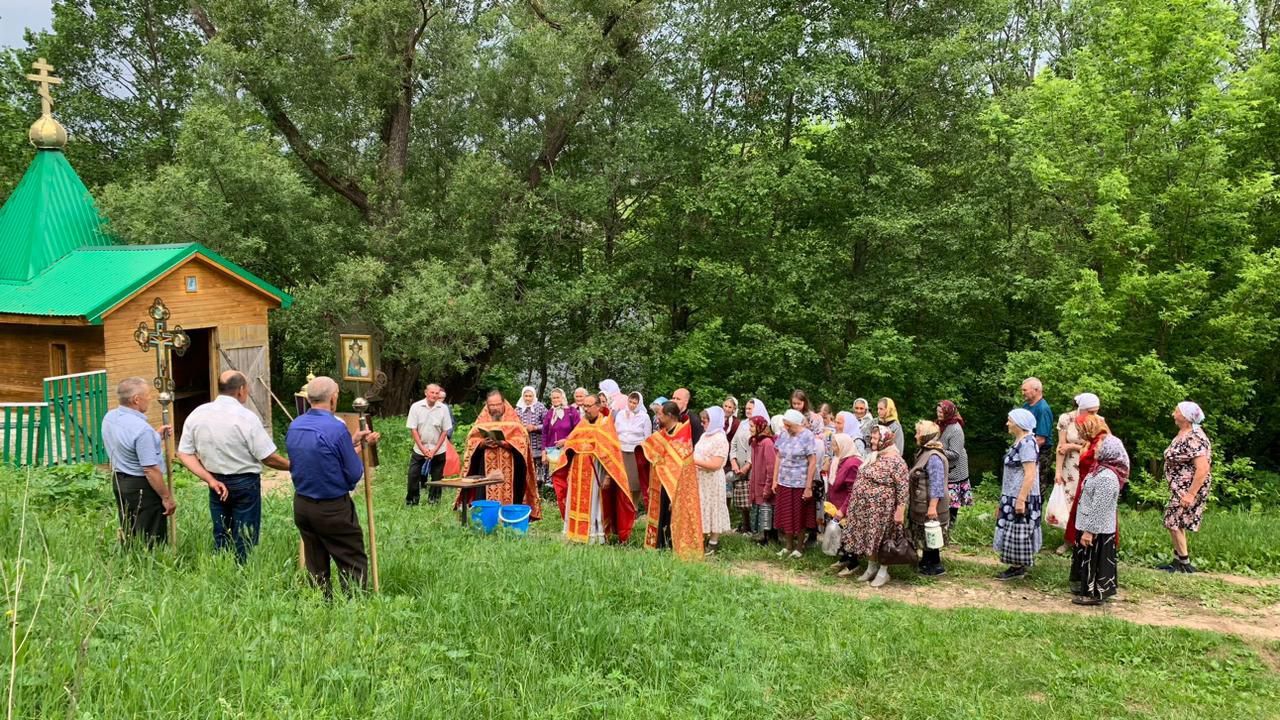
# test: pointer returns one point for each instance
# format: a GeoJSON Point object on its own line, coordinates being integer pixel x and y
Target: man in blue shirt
{"type": "Point", "coordinates": [325, 470]}
{"type": "Point", "coordinates": [143, 501]}
{"type": "Point", "coordinates": [1033, 394]}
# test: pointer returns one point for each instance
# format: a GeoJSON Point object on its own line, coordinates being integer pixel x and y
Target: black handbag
{"type": "Point", "coordinates": [897, 548]}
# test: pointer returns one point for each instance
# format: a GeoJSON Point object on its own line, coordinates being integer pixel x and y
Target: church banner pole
{"type": "Point", "coordinates": [361, 406]}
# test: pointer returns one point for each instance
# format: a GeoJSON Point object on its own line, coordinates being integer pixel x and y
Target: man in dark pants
{"type": "Point", "coordinates": [430, 424]}
{"type": "Point", "coordinates": [225, 445]}
{"type": "Point", "coordinates": [143, 500]}
{"type": "Point", "coordinates": [325, 471]}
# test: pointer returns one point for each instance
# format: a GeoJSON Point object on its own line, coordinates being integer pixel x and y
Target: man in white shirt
{"type": "Point", "coordinates": [430, 422]}
{"type": "Point", "coordinates": [224, 444]}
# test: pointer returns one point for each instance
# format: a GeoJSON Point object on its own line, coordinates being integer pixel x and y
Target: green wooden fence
{"type": "Point", "coordinates": [25, 436]}
{"type": "Point", "coordinates": [77, 404]}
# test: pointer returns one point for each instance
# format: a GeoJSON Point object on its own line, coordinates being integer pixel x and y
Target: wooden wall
{"type": "Point", "coordinates": [221, 301]}
{"type": "Point", "coordinates": [25, 356]}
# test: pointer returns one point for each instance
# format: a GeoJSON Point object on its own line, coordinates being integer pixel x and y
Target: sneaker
{"type": "Point", "coordinates": [1172, 567]}
{"type": "Point", "coordinates": [782, 552]}
{"type": "Point", "coordinates": [933, 571]}
{"type": "Point", "coordinates": [796, 554]}
{"type": "Point", "coordinates": [1187, 568]}
{"type": "Point", "coordinates": [1012, 573]}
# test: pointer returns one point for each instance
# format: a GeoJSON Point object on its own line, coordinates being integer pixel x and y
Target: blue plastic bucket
{"type": "Point", "coordinates": [484, 514]}
{"type": "Point", "coordinates": [516, 518]}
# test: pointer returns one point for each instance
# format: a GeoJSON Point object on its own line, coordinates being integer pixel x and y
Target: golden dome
{"type": "Point", "coordinates": [47, 134]}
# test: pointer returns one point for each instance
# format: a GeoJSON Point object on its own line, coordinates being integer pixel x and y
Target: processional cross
{"type": "Point", "coordinates": [165, 342]}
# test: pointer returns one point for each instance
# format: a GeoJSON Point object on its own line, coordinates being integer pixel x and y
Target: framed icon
{"type": "Point", "coordinates": [356, 357]}
{"type": "Point", "coordinates": [192, 284]}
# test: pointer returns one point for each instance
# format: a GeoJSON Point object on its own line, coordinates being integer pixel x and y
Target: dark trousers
{"type": "Point", "coordinates": [238, 519]}
{"type": "Point", "coordinates": [330, 529]}
{"type": "Point", "coordinates": [139, 509]}
{"type": "Point", "coordinates": [416, 462]}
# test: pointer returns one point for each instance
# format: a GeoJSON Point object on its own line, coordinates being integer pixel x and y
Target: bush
{"type": "Point", "coordinates": [63, 486]}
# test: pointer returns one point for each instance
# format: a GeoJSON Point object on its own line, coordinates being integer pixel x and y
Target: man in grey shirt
{"type": "Point", "coordinates": [224, 444]}
{"type": "Point", "coordinates": [143, 501]}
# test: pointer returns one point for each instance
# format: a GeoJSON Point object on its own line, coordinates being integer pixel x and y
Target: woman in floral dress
{"type": "Point", "coordinates": [1186, 468]}
{"type": "Point", "coordinates": [877, 503]}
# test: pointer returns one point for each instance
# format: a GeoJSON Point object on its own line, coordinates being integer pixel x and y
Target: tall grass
{"type": "Point", "coordinates": [469, 626]}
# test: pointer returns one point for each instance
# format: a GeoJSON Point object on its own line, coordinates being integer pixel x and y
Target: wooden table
{"type": "Point", "coordinates": [464, 483]}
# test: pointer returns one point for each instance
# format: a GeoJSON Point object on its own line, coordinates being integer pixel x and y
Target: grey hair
{"type": "Point", "coordinates": [863, 401]}
{"type": "Point", "coordinates": [1035, 383]}
{"type": "Point", "coordinates": [321, 389]}
{"type": "Point", "coordinates": [130, 388]}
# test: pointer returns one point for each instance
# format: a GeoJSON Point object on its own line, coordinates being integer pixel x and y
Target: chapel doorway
{"type": "Point", "coordinates": [193, 378]}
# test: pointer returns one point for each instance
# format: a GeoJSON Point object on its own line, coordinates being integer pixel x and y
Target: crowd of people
{"type": "Point", "coordinates": [803, 477]}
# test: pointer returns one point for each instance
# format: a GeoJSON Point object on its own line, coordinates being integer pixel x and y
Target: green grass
{"type": "Point", "coordinates": [502, 627]}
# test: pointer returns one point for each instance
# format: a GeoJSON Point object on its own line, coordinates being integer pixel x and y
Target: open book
{"type": "Point", "coordinates": [495, 435]}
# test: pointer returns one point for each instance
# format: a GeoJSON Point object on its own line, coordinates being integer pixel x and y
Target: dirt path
{"type": "Point", "coordinates": [1258, 625]}
{"type": "Point", "coordinates": [276, 482]}
{"type": "Point", "coordinates": [1241, 580]}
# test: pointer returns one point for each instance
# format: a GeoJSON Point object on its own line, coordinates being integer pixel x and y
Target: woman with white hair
{"type": "Point", "coordinates": [793, 480]}
{"type": "Point", "coordinates": [1186, 469]}
{"type": "Point", "coordinates": [1018, 533]}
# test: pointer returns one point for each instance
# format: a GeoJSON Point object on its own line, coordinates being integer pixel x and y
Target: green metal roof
{"type": "Point", "coordinates": [90, 281]}
{"type": "Point", "coordinates": [48, 215]}
{"type": "Point", "coordinates": [57, 260]}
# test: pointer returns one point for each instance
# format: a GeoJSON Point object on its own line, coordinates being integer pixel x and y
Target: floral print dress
{"type": "Point", "coordinates": [1180, 472]}
{"type": "Point", "coordinates": [882, 486]}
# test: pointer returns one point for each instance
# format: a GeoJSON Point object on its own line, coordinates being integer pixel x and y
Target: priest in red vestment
{"type": "Point", "coordinates": [499, 444]}
{"type": "Point", "coordinates": [598, 504]}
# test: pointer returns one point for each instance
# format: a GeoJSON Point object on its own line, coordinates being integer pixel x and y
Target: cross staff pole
{"type": "Point", "coordinates": [165, 342]}
{"type": "Point", "coordinates": [361, 406]}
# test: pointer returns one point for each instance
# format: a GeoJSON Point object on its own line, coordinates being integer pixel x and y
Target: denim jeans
{"type": "Point", "coordinates": [237, 519]}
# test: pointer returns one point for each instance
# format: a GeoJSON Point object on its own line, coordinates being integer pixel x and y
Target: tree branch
{"type": "Point", "coordinates": [274, 109]}
{"type": "Point", "coordinates": [538, 10]}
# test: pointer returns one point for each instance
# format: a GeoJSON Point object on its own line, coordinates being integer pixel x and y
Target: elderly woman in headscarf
{"type": "Point", "coordinates": [887, 413]}
{"type": "Point", "coordinates": [1186, 469]}
{"type": "Point", "coordinates": [847, 424]}
{"type": "Point", "coordinates": [656, 407]}
{"type": "Point", "coordinates": [763, 459]}
{"type": "Point", "coordinates": [1018, 534]}
{"type": "Point", "coordinates": [1093, 559]}
{"type": "Point", "coordinates": [740, 466]}
{"type": "Point", "coordinates": [793, 482]}
{"type": "Point", "coordinates": [633, 426]}
{"type": "Point", "coordinates": [866, 419]}
{"type": "Point", "coordinates": [615, 400]}
{"type": "Point", "coordinates": [959, 491]}
{"type": "Point", "coordinates": [1070, 446]}
{"type": "Point", "coordinates": [878, 503]}
{"type": "Point", "coordinates": [709, 455]}
{"type": "Point", "coordinates": [929, 493]}
{"type": "Point", "coordinates": [559, 421]}
{"type": "Point", "coordinates": [531, 412]}
{"type": "Point", "coordinates": [847, 462]}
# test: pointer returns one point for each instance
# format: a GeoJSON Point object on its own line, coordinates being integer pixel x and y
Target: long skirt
{"type": "Point", "coordinates": [792, 514]}
{"type": "Point", "coordinates": [1094, 568]}
{"type": "Point", "coordinates": [715, 509]}
{"type": "Point", "coordinates": [741, 491]}
{"type": "Point", "coordinates": [869, 518]}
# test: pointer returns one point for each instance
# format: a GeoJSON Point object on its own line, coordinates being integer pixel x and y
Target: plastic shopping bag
{"type": "Point", "coordinates": [831, 538]}
{"type": "Point", "coordinates": [1058, 509]}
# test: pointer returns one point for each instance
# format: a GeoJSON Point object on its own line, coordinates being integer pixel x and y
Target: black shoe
{"type": "Point", "coordinates": [712, 549]}
{"type": "Point", "coordinates": [933, 571]}
{"type": "Point", "coordinates": [1012, 573]}
{"type": "Point", "coordinates": [1187, 568]}
{"type": "Point", "coordinates": [1085, 600]}
{"type": "Point", "coordinates": [411, 503]}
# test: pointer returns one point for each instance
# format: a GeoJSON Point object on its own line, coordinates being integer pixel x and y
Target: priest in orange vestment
{"type": "Point", "coordinates": [598, 504]}
{"type": "Point", "coordinates": [510, 457]}
{"type": "Point", "coordinates": [675, 507]}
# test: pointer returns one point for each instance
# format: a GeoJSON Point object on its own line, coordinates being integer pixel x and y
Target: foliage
{"type": "Point", "coordinates": [918, 200]}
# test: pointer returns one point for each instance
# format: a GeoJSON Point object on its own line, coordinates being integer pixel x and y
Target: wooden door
{"type": "Point", "coordinates": [252, 361]}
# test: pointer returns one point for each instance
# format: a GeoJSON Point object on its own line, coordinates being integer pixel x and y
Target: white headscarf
{"type": "Point", "coordinates": [775, 424]}
{"type": "Point", "coordinates": [617, 401]}
{"type": "Point", "coordinates": [1088, 401]}
{"type": "Point", "coordinates": [521, 404]}
{"type": "Point", "coordinates": [1191, 412]}
{"type": "Point", "coordinates": [609, 387]}
{"type": "Point", "coordinates": [852, 427]}
{"type": "Point", "coordinates": [625, 412]}
{"type": "Point", "coordinates": [795, 417]}
{"type": "Point", "coordinates": [757, 409]}
{"type": "Point", "coordinates": [715, 421]}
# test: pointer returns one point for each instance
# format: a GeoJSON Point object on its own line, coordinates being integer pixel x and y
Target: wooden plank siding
{"type": "Point", "coordinates": [237, 311]}
{"type": "Point", "coordinates": [24, 356]}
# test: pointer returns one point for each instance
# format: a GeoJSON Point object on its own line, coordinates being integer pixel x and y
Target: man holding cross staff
{"type": "Point", "coordinates": [325, 470]}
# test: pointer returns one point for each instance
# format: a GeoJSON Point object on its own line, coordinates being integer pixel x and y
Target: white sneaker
{"type": "Point", "coordinates": [870, 572]}
{"type": "Point", "coordinates": [796, 554]}
{"type": "Point", "coordinates": [782, 552]}
{"type": "Point", "coordinates": [881, 577]}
